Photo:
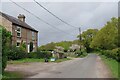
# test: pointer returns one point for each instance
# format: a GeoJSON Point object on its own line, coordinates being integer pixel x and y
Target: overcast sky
{"type": "Point", "coordinates": [80, 14]}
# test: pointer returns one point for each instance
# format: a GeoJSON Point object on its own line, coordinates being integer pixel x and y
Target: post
{"type": "Point", "coordinates": [80, 38]}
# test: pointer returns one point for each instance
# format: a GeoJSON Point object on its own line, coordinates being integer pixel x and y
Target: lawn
{"type": "Point", "coordinates": [12, 74]}
{"type": "Point", "coordinates": [29, 60]}
{"type": "Point", "coordinates": [112, 64]}
{"type": "Point", "coordinates": [26, 60]}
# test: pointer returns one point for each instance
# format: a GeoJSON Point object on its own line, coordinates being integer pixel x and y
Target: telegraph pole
{"type": "Point", "coordinates": [80, 38]}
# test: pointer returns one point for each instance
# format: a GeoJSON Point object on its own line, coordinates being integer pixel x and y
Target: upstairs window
{"type": "Point", "coordinates": [18, 31]}
{"type": "Point", "coordinates": [33, 36]}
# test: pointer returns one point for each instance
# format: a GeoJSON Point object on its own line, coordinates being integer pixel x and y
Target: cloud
{"type": "Point", "coordinates": [80, 14]}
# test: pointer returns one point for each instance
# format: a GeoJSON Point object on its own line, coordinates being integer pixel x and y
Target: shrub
{"type": "Point", "coordinates": [5, 38]}
{"type": "Point", "coordinates": [44, 54]}
{"type": "Point", "coordinates": [32, 55]}
{"type": "Point", "coordinates": [16, 53]}
{"type": "Point", "coordinates": [40, 54]}
{"type": "Point", "coordinates": [78, 52]}
{"type": "Point", "coordinates": [65, 50]}
{"type": "Point", "coordinates": [114, 54]}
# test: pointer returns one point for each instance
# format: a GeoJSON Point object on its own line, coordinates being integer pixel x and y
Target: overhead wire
{"type": "Point", "coordinates": [55, 15]}
{"type": "Point", "coordinates": [52, 26]}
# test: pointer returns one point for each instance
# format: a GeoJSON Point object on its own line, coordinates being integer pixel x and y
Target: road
{"type": "Point", "coordinates": [89, 67]}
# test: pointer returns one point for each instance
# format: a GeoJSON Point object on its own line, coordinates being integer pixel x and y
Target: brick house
{"type": "Point", "coordinates": [21, 31]}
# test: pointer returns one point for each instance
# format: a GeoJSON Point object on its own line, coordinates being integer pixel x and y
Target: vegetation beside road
{"type": "Point", "coordinates": [12, 74]}
{"type": "Point", "coordinates": [112, 65]}
{"type": "Point", "coordinates": [30, 60]}
{"type": "Point", "coordinates": [61, 60]}
{"type": "Point", "coordinates": [26, 60]}
{"type": "Point", "coordinates": [104, 41]}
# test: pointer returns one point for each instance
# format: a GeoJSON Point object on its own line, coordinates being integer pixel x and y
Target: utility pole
{"type": "Point", "coordinates": [80, 38]}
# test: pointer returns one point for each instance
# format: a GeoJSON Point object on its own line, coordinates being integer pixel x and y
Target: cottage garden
{"type": "Point", "coordinates": [104, 42]}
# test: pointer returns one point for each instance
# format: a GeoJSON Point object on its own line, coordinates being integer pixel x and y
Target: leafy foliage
{"type": "Point", "coordinates": [114, 54]}
{"type": "Point", "coordinates": [16, 53]}
{"type": "Point", "coordinates": [87, 37]}
{"type": "Point", "coordinates": [107, 37]}
{"type": "Point", "coordinates": [47, 47]}
{"type": "Point", "coordinates": [40, 54]}
{"type": "Point", "coordinates": [51, 46]}
{"type": "Point", "coordinates": [6, 40]}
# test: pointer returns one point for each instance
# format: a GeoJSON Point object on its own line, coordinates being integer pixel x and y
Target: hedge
{"type": "Point", "coordinates": [40, 54]}
{"type": "Point", "coordinates": [114, 54]}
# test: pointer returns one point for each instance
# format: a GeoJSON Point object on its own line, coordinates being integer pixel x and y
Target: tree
{"type": "Point", "coordinates": [64, 44]}
{"type": "Point", "coordinates": [107, 37]}
{"type": "Point", "coordinates": [48, 47]}
{"type": "Point", "coordinates": [87, 37]}
{"type": "Point", "coordinates": [5, 38]}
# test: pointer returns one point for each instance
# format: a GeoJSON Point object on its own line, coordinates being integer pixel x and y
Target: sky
{"type": "Point", "coordinates": [84, 14]}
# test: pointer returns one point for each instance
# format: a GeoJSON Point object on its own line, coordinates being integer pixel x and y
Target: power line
{"type": "Point", "coordinates": [55, 15]}
{"type": "Point", "coordinates": [40, 18]}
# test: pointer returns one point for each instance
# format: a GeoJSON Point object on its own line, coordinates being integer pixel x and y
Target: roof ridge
{"type": "Point", "coordinates": [17, 21]}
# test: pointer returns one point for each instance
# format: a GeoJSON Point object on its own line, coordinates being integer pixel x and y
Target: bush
{"type": "Point", "coordinates": [5, 38]}
{"type": "Point", "coordinates": [114, 54]}
{"type": "Point", "coordinates": [32, 55]}
{"type": "Point", "coordinates": [44, 54]}
{"type": "Point", "coordinates": [16, 53]}
{"type": "Point", "coordinates": [40, 54]}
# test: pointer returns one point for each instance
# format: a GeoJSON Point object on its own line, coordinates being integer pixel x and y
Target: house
{"type": "Point", "coordinates": [20, 30]}
{"type": "Point", "coordinates": [74, 47]}
{"type": "Point", "coordinates": [58, 52]}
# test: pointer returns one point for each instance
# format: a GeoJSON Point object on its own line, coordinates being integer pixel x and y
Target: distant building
{"type": "Point", "coordinates": [58, 52]}
{"type": "Point", "coordinates": [21, 31]}
{"type": "Point", "coordinates": [75, 47]}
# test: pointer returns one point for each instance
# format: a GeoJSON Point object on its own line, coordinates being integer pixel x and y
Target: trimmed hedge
{"type": "Point", "coordinates": [114, 54]}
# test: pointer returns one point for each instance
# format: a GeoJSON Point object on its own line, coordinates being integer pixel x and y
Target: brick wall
{"type": "Point", "coordinates": [26, 34]}
{"type": "Point", "coordinates": [6, 23]}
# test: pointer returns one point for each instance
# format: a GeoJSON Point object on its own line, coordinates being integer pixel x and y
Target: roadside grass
{"type": "Point", "coordinates": [82, 55]}
{"type": "Point", "coordinates": [26, 60]}
{"type": "Point", "coordinates": [112, 64]}
{"type": "Point", "coordinates": [30, 60]}
{"type": "Point", "coordinates": [7, 75]}
{"type": "Point", "coordinates": [61, 60]}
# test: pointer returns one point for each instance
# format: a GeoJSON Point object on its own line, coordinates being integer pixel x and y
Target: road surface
{"type": "Point", "coordinates": [88, 67]}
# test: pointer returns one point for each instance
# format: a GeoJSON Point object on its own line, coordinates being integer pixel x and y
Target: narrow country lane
{"type": "Point", "coordinates": [89, 67]}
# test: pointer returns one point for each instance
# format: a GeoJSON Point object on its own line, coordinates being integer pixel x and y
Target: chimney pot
{"type": "Point", "coordinates": [21, 17]}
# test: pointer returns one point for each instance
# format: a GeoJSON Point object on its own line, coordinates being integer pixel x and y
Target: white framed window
{"type": "Point", "coordinates": [18, 31]}
{"type": "Point", "coordinates": [33, 35]}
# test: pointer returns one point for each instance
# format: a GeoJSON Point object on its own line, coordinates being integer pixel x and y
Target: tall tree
{"type": "Point", "coordinates": [107, 37]}
{"type": "Point", "coordinates": [48, 47]}
{"type": "Point", "coordinates": [87, 37]}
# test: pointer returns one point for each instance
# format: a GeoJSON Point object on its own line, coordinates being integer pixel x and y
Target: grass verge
{"type": "Point", "coordinates": [61, 60]}
{"type": "Point", "coordinates": [7, 75]}
{"type": "Point", "coordinates": [26, 60]}
{"type": "Point", "coordinates": [112, 64]}
{"type": "Point", "coordinates": [29, 60]}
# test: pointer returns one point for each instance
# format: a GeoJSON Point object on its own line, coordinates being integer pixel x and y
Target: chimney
{"type": "Point", "coordinates": [21, 17]}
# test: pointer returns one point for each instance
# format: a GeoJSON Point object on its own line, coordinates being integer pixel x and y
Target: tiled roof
{"type": "Point", "coordinates": [17, 21]}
